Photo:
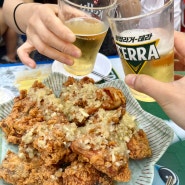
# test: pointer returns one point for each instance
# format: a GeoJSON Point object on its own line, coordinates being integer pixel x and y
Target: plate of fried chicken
{"type": "Point", "coordinates": [65, 131]}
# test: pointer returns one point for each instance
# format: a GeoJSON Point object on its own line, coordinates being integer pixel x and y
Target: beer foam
{"type": "Point", "coordinates": [134, 33]}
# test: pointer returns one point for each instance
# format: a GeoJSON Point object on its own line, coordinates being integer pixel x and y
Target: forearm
{"type": "Point", "coordinates": [22, 15]}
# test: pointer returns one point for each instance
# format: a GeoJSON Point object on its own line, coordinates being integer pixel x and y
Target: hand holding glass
{"type": "Point", "coordinates": [87, 20]}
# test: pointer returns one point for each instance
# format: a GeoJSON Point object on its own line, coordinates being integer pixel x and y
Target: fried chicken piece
{"type": "Point", "coordinates": [81, 99]}
{"type": "Point", "coordinates": [30, 108]}
{"type": "Point", "coordinates": [47, 141]}
{"type": "Point", "coordinates": [84, 174]}
{"type": "Point", "coordinates": [84, 80]}
{"type": "Point", "coordinates": [101, 159]}
{"type": "Point", "coordinates": [139, 146]}
{"type": "Point", "coordinates": [17, 172]}
{"type": "Point", "coordinates": [23, 116]}
{"type": "Point", "coordinates": [104, 143]}
{"type": "Point", "coordinates": [114, 98]}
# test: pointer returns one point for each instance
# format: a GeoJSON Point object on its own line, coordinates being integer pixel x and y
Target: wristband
{"type": "Point", "coordinates": [14, 12]}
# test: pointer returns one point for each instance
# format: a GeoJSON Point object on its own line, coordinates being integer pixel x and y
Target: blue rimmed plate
{"type": "Point", "coordinates": [158, 132]}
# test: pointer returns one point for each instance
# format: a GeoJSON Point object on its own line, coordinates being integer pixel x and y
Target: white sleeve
{"type": "Point", "coordinates": [177, 14]}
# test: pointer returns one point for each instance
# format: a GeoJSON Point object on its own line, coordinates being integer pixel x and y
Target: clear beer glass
{"type": "Point", "coordinates": [144, 37]}
{"type": "Point", "coordinates": [87, 19]}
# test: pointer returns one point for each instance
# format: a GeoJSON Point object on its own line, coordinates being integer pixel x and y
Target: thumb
{"type": "Point", "coordinates": [150, 86]}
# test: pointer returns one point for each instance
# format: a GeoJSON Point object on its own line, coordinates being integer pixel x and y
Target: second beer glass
{"type": "Point", "coordinates": [143, 34]}
{"type": "Point", "coordinates": [87, 19]}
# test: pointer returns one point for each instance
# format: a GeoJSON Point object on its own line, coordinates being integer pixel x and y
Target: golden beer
{"type": "Point", "coordinates": [161, 69]}
{"type": "Point", "coordinates": [146, 53]}
{"type": "Point", "coordinates": [90, 34]}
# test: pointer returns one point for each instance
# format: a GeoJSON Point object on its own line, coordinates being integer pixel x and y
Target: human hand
{"type": "Point", "coordinates": [46, 33]}
{"type": "Point", "coordinates": [170, 96]}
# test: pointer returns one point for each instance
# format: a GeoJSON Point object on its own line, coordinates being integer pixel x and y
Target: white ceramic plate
{"type": "Point", "coordinates": [5, 95]}
{"type": "Point", "coordinates": [158, 132]}
{"type": "Point", "coordinates": [102, 65]}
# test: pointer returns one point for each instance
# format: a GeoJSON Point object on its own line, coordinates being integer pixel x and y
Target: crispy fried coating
{"type": "Point", "coordinates": [84, 80]}
{"type": "Point", "coordinates": [30, 108]}
{"type": "Point", "coordinates": [124, 174]}
{"type": "Point", "coordinates": [114, 98]}
{"type": "Point", "coordinates": [103, 144]}
{"type": "Point", "coordinates": [84, 174]}
{"type": "Point", "coordinates": [81, 99]}
{"type": "Point", "coordinates": [99, 160]}
{"type": "Point", "coordinates": [47, 141]}
{"type": "Point", "coordinates": [24, 115]}
{"type": "Point", "coordinates": [139, 146]}
{"type": "Point", "coordinates": [17, 172]}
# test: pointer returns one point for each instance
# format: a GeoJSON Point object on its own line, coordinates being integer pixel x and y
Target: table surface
{"type": "Point", "coordinates": [17, 76]}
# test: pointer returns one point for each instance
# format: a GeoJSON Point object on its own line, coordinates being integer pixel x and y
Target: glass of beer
{"type": "Point", "coordinates": [87, 19]}
{"type": "Point", "coordinates": [143, 33]}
